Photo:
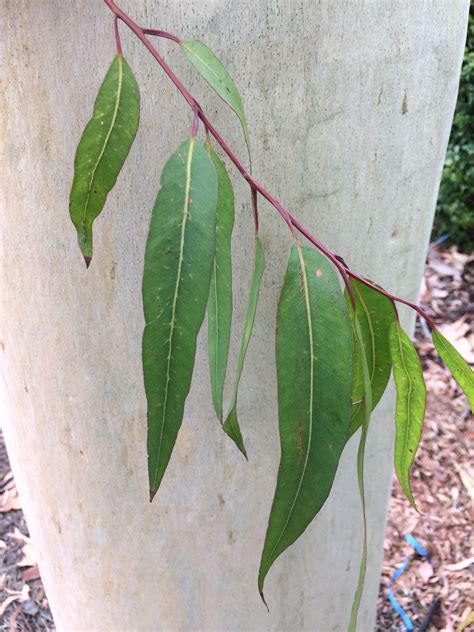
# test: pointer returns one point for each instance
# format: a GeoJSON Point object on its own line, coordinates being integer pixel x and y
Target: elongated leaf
{"type": "Point", "coordinates": [367, 408]}
{"type": "Point", "coordinates": [375, 315]}
{"type": "Point", "coordinates": [178, 266]}
{"type": "Point", "coordinates": [461, 371]}
{"type": "Point", "coordinates": [231, 424]}
{"type": "Point", "coordinates": [410, 409]}
{"type": "Point", "coordinates": [103, 147]}
{"type": "Point", "coordinates": [219, 307]}
{"type": "Point", "coordinates": [314, 362]}
{"type": "Point", "coordinates": [214, 72]}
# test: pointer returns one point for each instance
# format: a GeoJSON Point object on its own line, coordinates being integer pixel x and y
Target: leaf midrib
{"type": "Point", "coordinates": [311, 396]}
{"type": "Point", "coordinates": [175, 300]}
{"type": "Point", "coordinates": [408, 398]}
{"type": "Point", "coordinates": [107, 138]}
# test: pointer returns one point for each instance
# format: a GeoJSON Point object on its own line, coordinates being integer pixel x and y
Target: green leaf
{"type": "Point", "coordinates": [219, 307]}
{"type": "Point", "coordinates": [367, 407]}
{"type": "Point", "coordinates": [214, 72]}
{"type": "Point", "coordinates": [314, 362]}
{"type": "Point", "coordinates": [102, 150]}
{"type": "Point", "coordinates": [375, 314]}
{"type": "Point", "coordinates": [411, 399]}
{"type": "Point", "coordinates": [176, 279]}
{"type": "Point", "coordinates": [461, 371]}
{"type": "Point", "coordinates": [231, 424]}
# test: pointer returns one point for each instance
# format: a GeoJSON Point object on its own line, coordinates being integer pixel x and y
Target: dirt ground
{"type": "Point", "coordinates": [437, 591]}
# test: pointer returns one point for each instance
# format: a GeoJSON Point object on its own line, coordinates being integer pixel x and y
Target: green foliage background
{"type": "Point", "coordinates": [455, 210]}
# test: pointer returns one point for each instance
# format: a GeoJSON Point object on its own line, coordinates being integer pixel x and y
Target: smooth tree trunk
{"type": "Point", "coordinates": [350, 106]}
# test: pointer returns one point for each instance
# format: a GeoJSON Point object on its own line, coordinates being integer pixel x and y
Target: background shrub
{"type": "Point", "coordinates": [455, 210]}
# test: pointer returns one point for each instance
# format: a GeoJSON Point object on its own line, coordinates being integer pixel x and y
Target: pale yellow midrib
{"type": "Point", "coordinates": [107, 138]}
{"type": "Point", "coordinates": [408, 399]}
{"type": "Point", "coordinates": [175, 297]}
{"type": "Point", "coordinates": [311, 395]}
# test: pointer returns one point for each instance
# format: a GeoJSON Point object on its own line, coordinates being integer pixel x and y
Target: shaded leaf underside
{"type": "Point", "coordinates": [410, 408]}
{"type": "Point", "coordinates": [219, 310]}
{"type": "Point", "coordinates": [231, 424]}
{"type": "Point", "coordinates": [375, 314]}
{"type": "Point", "coordinates": [461, 371]}
{"type": "Point", "coordinates": [367, 406]}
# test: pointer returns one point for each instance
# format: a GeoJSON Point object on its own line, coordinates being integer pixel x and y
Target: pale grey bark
{"type": "Point", "coordinates": [350, 106]}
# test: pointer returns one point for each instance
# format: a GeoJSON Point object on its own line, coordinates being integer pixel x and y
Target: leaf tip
{"type": "Point", "coordinates": [152, 494]}
{"type": "Point", "coordinates": [262, 597]}
{"type": "Point", "coordinates": [87, 260]}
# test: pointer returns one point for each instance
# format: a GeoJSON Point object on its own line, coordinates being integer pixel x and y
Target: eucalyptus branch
{"type": "Point", "coordinates": [255, 185]}
{"type": "Point", "coordinates": [334, 360]}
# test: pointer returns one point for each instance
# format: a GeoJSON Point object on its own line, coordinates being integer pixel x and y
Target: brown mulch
{"type": "Point", "coordinates": [443, 473]}
{"type": "Point", "coordinates": [23, 603]}
{"type": "Point", "coordinates": [442, 481]}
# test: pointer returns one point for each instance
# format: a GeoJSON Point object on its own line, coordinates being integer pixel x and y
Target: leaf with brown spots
{"type": "Point", "coordinates": [314, 360]}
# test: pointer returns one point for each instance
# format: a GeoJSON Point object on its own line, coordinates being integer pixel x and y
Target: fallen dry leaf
{"type": "Point", "coordinates": [29, 556]}
{"type": "Point", "coordinates": [31, 574]}
{"type": "Point", "coordinates": [467, 478]}
{"type": "Point", "coordinates": [19, 537]}
{"type": "Point", "coordinates": [467, 621]}
{"type": "Point", "coordinates": [23, 595]}
{"type": "Point", "coordinates": [9, 500]}
{"type": "Point", "coordinates": [459, 566]}
{"type": "Point", "coordinates": [12, 625]}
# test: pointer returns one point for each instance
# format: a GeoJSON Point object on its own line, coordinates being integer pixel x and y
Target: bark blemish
{"type": "Point", "coordinates": [405, 104]}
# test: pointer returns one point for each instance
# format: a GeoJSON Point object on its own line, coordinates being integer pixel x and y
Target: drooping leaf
{"type": "Point", "coordinates": [214, 72]}
{"type": "Point", "coordinates": [103, 147]}
{"type": "Point", "coordinates": [314, 362]}
{"type": "Point", "coordinates": [410, 409]}
{"type": "Point", "coordinates": [231, 424]}
{"type": "Point", "coordinates": [176, 279]}
{"type": "Point", "coordinates": [461, 371]}
{"type": "Point", "coordinates": [375, 315]}
{"type": "Point", "coordinates": [219, 307]}
{"type": "Point", "coordinates": [367, 407]}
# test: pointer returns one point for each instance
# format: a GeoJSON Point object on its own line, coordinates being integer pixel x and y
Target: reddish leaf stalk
{"type": "Point", "coordinates": [164, 34]}
{"type": "Point", "coordinates": [255, 186]}
{"type": "Point", "coordinates": [195, 126]}
{"type": "Point", "coordinates": [117, 37]}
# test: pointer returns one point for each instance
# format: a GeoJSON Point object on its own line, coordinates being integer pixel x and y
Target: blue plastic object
{"type": "Point", "coordinates": [401, 569]}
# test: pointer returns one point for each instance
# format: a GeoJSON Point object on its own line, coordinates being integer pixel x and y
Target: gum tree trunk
{"type": "Point", "coordinates": [350, 106]}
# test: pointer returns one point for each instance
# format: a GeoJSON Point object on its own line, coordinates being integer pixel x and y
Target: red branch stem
{"type": "Point", "coordinates": [255, 186]}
